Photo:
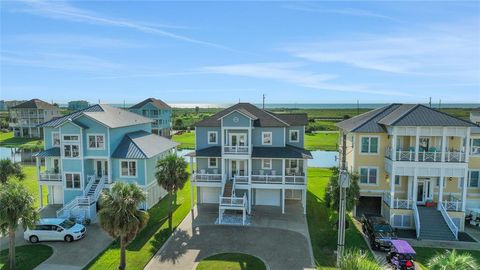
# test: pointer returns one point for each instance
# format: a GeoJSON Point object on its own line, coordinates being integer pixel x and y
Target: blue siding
{"type": "Point", "coordinates": [47, 138]}
{"type": "Point", "coordinates": [117, 134]}
{"type": "Point", "coordinates": [201, 137]}
{"type": "Point", "coordinates": [202, 164]}
{"type": "Point", "coordinates": [278, 136]}
{"type": "Point", "coordinates": [93, 128]}
{"type": "Point", "coordinates": [276, 166]}
{"type": "Point", "coordinates": [69, 195]}
{"type": "Point", "coordinates": [301, 136]}
{"type": "Point", "coordinates": [243, 121]}
{"type": "Point", "coordinates": [165, 115]}
{"type": "Point", "coordinates": [139, 179]}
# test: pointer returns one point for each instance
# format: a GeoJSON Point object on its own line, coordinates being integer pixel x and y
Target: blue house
{"type": "Point", "coordinates": [88, 150]}
{"type": "Point", "coordinates": [246, 156]}
{"type": "Point", "coordinates": [157, 110]}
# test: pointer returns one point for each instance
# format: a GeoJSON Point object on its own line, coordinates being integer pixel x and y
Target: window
{"type": "Point", "coordinates": [267, 138]}
{"type": "Point", "coordinates": [71, 150]}
{"type": "Point", "coordinates": [397, 180]}
{"type": "Point", "coordinates": [155, 113]}
{"type": "Point", "coordinates": [72, 180]}
{"type": "Point", "coordinates": [70, 138]}
{"type": "Point", "coordinates": [474, 179]}
{"type": "Point", "coordinates": [368, 176]}
{"type": "Point", "coordinates": [128, 168]}
{"type": "Point", "coordinates": [96, 142]}
{"type": "Point", "coordinates": [144, 112]}
{"type": "Point", "coordinates": [212, 137]}
{"type": "Point", "coordinates": [369, 145]}
{"type": "Point", "coordinates": [266, 164]}
{"type": "Point", "coordinates": [55, 139]}
{"type": "Point", "coordinates": [475, 148]}
{"type": "Point", "coordinates": [294, 136]}
{"type": "Point", "coordinates": [438, 182]}
{"type": "Point", "coordinates": [212, 162]}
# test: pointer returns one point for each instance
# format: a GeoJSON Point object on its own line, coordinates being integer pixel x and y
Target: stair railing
{"type": "Point", "coordinates": [91, 180]}
{"type": "Point", "coordinates": [233, 185]}
{"type": "Point", "coordinates": [416, 218]}
{"type": "Point", "coordinates": [99, 189]}
{"type": "Point", "coordinates": [449, 221]}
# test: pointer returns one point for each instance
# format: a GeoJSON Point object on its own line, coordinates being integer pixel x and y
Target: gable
{"type": "Point", "coordinates": [236, 119]}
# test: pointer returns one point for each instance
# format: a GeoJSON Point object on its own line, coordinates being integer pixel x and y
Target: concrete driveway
{"type": "Point", "coordinates": [278, 248]}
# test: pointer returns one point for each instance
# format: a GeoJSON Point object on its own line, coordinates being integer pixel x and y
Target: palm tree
{"type": "Point", "coordinates": [17, 207]}
{"type": "Point", "coordinates": [357, 260]}
{"type": "Point", "coordinates": [171, 175]}
{"type": "Point", "coordinates": [9, 169]}
{"type": "Point", "coordinates": [119, 214]}
{"type": "Point", "coordinates": [453, 260]}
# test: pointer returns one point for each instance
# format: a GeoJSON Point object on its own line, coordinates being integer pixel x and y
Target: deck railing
{"type": "Point", "coordinates": [50, 176]}
{"type": "Point", "coordinates": [267, 179]}
{"type": "Point", "coordinates": [424, 156]}
{"type": "Point", "coordinates": [449, 221]}
{"type": "Point", "coordinates": [397, 203]}
{"type": "Point", "coordinates": [295, 179]}
{"type": "Point", "coordinates": [233, 201]}
{"type": "Point", "coordinates": [228, 149]}
{"type": "Point", "coordinates": [241, 179]}
{"type": "Point", "coordinates": [452, 205]}
{"type": "Point", "coordinates": [207, 177]}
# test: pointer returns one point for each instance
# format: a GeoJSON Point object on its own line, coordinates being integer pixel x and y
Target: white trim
{"type": "Point", "coordinates": [208, 137]}
{"type": "Point", "coordinates": [369, 137]}
{"type": "Point", "coordinates": [53, 139]}
{"type": "Point", "coordinates": [377, 180]}
{"type": "Point", "coordinates": [233, 112]}
{"type": "Point", "coordinates": [263, 164]}
{"type": "Point", "coordinates": [70, 134]}
{"type": "Point", "coordinates": [290, 135]}
{"type": "Point", "coordinates": [469, 177]}
{"type": "Point", "coordinates": [128, 167]}
{"type": "Point", "coordinates": [62, 150]}
{"type": "Point", "coordinates": [65, 182]}
{"type": "Point", "coordinates": [216, 163]}
{"type": "Point", "coordinates": [271, 137]}
{"type": "Point", "coordinates": [96, 135]}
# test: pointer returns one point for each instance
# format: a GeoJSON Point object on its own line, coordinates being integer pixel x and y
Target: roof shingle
{"type": "Point", "coordinates": [155, 102]}
{"type": "Point", "coordinates": [35, 104]}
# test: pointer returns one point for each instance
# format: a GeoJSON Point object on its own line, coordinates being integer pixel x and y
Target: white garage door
{"type": "Point", "coordinates": [293, 194]}
{"type": "Point", "coordinates": [210, 194]}
{"type": "Point", "coordinates": [267, 197]}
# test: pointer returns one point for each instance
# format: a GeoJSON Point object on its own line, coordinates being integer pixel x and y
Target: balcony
{"type": "Point", "coordinates": [207, 177]}
{"type": "Point", "coordinates": [430, 156]}
{"type": "Point", "coordinates": [50, 178]}
{"type": "Point", "coordinates": [236, 150]}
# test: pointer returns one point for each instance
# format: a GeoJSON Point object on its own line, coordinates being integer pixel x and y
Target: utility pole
{"type": "Point", "coordinates": [263, 103]}
{"type": "Point", "coordinates": [430, 102]}
{"type": "Point", "coordinates": [358, 107]}
{"type": "Point", "coordinates": [439, 104]}
{"type": "Point", "coordinates": [343, 183]}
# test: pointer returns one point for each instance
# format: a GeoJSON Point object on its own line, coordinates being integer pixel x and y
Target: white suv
{"type": "Point", "coordinates": [52, 229]}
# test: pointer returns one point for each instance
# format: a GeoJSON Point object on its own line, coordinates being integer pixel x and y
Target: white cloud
{"type": "Point", "coordinates": [340, 11]}
{"type": "Point", "coordinates": [291, 73]}
{"type": "Point", "coordinates": [64, 11]}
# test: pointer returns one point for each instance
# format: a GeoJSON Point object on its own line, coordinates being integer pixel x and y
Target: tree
{"type": "Point", "coordinates": [332, 196]}
{"type": "Point", "coordinates": [17, 207]}
{"type": "Point", "coordinates": [119, 214]}
{"type": "Point", "coordinates": [171, 175]}
{"type": "Point", "coordinates": [453, 260]}
{"type": "Point", "coordinates": [357, 260]}
{"type": "Point", "coordinates": [178, 124]}
{"type": "Point", "coordinates": [9, 169]}
{"type": "Point", "coordinates": [197, 109]}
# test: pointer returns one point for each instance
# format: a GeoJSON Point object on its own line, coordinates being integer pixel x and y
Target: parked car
{"type": "Point", "coordinates": [378, 231]}
{"type": "Point", "coordinates": [55, 229]}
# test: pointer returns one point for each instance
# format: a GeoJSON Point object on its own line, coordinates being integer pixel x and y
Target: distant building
{"type": "Point", "coordinates": [26, 116]}
{"type": "Point", "coordinates": [12, 103]}
{"type": "Point", "coordinates": [2, 105]}
{"type": "Point", "coordinates": [475, 116]}
{"type": "Point", "coordinates": [157, 110]}
{"type": "Point", "coordinates": [76, 105]}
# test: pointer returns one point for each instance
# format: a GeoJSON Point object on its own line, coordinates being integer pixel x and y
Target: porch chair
{"type": "Point", "coordinates": [274, 172]}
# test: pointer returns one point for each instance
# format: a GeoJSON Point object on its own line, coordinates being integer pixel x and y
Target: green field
{"type": "Point", "coordinates": [7, 140]}
{"type": "Point", "coordinates": [321, 220]}
{"type": "Point", "coordinates": [186, 140]}
{"type": "Point", "coordinates": [231, 261]}
{"type": "Point", "coordinates": [326, 141]}
{"type": "Point", "coordinates": [150, 239]}
{"type": "Point", "coordinates": [32, 184]}
{"type": "Point", "coordinates": [28, 256]}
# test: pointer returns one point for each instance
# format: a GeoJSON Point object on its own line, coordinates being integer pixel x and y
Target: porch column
{"type": "Point", "coordinates": [305, 166]}
{"type": "Point", "coordinates": [249, 171]}
{"type": "Point", "coordinates": [415, 186]}
{"type": "Point", "coordinates": [283, 200]}
{"type": "Point", "coordinates": [38, 165]}
{"type": "Point", "coordinates": [467, 146]}
{"type": "Point", "coordinates": [250, 200]}
{"type": "Point", "coordinates": [192, 185]}
{"type": "Point", "coordinates": [464, 190]}
{"type": "Point", "coordinates": [417, 144]}
{"type": "Point", "coordinates": [392, 187]}
{"type": "Point", "coordinates": [394, 146]}
{"type": "Point", "coordinates": [222, 171]}
{"type": "Point", "coordinates": [283, 171]}
{"type": "Point", "coordinates": [41, 195]}
{"type": "Point", "coordinates": [304, 200]}
{"type": "Point", "coordinates": [444, 143]}
{"type": "Point", "coordinates": [409, 188]}
{"type": "Point", "coordinates": [110, 165]}
{"type": "Point", "coordinates": [440, 189]}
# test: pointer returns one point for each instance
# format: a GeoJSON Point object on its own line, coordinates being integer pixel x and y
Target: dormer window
{"type": "Point", "coordinates": [294, 136]}
{"type": "Point", "coordinates": [212, 137]}
{"type": "Point", "coordinates": [55, 139]}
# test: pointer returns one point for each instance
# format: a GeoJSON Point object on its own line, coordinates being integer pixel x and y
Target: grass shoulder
{"type": "Point", "coordinates": [326, 141]}
{"type": "Point", "coordinates": [186, 140]}
{"type": "Point", "coordinates": [27, 257]}
{"type": "Point", "coordinates": [7, 140]}
{"type": "Point", "coordinates": [231, 261]}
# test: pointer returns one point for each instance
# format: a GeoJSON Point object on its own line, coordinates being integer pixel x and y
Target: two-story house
{"type": "Point", "coordinates": [76, 105]}
{"type": "Point", "coordinates": [26, 116]}
{"type": "Point", "coordinates": [246, 156]}
{"type": "Point", "coordinates": [88, 150]}
{"type": "Point", "coordinates": [415, 167]}
{"type": "Point", "coordinates": [157, 110]}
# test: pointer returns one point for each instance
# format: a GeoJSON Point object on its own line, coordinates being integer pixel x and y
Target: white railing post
{"type": "Point", "coordinates": [416, 218]}
{"type": "Point", "coordinates": [453, 228]}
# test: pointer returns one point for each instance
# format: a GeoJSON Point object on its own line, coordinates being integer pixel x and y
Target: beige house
{"type": "Point", "coordinates": [26, 116]}
{"type": "Point", "coordinates": [412, 161]}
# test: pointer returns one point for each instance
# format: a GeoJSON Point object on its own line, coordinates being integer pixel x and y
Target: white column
{"type": "Point", "coordinates": [250, 200]}
{"type": "Point", "coordinates": [250, 141]}
{"type": "Point", "coordinates": [304, 200]}
{"type": "Point", "coordinates": [249, 172]}
{"type": "Point", "coordinates": [409, 188]}
{"type": "Point", "coordinates": [467, 146]}
{"type": "Point", "coordinates": [464, 190]}
{"type": "Point", "coordinates": [305, 162]}
{"type": "Point", "coordinates": [392, 187]}
{"type": "Point", "coordinates": [444, 143]}
{"type": "Point", "coordinates": [440, 189]}
{"type": "Point", "coordinates": [38, 163]}
{"type": "Point", "coordinates": [222, 171]}
{"type": "Point", "coordinates": [415, 186]}
{"type": "Point", "coordinates": [283, 200]}
{"type": "Point", "coordinates": [394, 146]}
{"type": "Point", "coordinates": [417, 143]}
{"type": "Point", "coordinates": [283, 171]}
{"type": "Point", "coordinates": [192, 186]}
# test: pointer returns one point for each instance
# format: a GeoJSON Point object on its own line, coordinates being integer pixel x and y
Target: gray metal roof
{"type": "Point", "coordinates": [35, 104]}
{"type": "Point", "coordinates": [262, 118]}
{"type": "Point", "coordinates": [155, 102]}
{"type": "Point", "coordinates": [52, 152]}
{"type": "Point", "coordinates": [400, 115]}
{"type": "Point", "coordinates": [213, 151]}
{"type": "Point", "coordinates": [281, 152]}
{"type": "Point", "coordinates": [142, 144]}
{"type": "Point", "coordinates": [110, 116]}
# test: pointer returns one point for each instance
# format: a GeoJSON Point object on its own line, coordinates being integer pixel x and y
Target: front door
{"type": "Point", "coordinates": [237, 167]}
{"type": "Point", "coordinates": [424, 191]}
{"type": "Point", "coordinates": [101, 168]}
{"type": "Point", "coordinates": [237, 139]}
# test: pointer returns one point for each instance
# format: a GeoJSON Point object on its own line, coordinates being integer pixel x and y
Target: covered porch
{"type": "Point", "coordinates": [50, 176]}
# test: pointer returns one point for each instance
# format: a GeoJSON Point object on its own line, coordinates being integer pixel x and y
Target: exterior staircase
{"type": "Point", "coordinates": [433, 225]}
{"type": "Point", "coordinates": [228, 189]}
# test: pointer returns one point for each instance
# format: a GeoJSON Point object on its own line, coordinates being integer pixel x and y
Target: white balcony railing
{"type": "Point", "coordinates": [207, 177]}
{"type": "Point", "coordinates": [449, 221]}
{"type": "Point", "coordinates": [454, 156]}
{"type": "Point", "coordinates": [267, 179]}
{"type": "Point", "coordinates": [295, 179]}
{"type": "Point", "coordinates": [452, 205]}
{"type": "Point", "coordinates": [397, 203]}
{"type": "Point", "coordinates": [241, 179]}
{"type": "Point", "coordinates": [424, 156]}
{"type": "Point", "coordinates": [50, 176]}
{"type": "Point", "coordinates": [240, 150]}
{"type": "Point", "coordinates": [233, 201]}
{"type": "Point", "coordinates": [430, 156]}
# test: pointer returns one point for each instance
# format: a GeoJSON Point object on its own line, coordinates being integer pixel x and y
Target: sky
{"type": "Point", "coordinates": [225, 52]}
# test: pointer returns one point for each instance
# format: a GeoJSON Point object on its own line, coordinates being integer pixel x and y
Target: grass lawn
{"type": "Point", "coordinates": [321, 222]}
{"type": "Point", "coordinates": [7, 140]}
{"type": "Point", "coordinates": [186, 140]}
{"type": "Point", "coordinates": [150, 239]}
{"type": "Point", "coordinates": [424, 254]}
{"type": "Point", "coordinates": [321, 141]}
{"type": "Point", "coordinates": [28, 256]}
{"type": "Point", "coordinates": [231, 261]}
{"type": "Point", "coordinates": [31, 183]}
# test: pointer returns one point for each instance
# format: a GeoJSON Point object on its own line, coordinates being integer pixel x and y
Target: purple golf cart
{"type": "Point", "coordinates": [401, 255]}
